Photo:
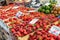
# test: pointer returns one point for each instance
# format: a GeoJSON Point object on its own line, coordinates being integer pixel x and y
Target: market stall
{"type": "Point", "coordinates": [22, 22]}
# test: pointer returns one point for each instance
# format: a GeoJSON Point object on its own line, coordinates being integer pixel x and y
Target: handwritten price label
{"type": "Point", "coordinates": [34, 21]}
{"type": "Point", "coordinates": [19, 13]}
{"type": "Point", "coordinates": [55, 30]}
{"type": "Point", "coordinates": [15, 7]}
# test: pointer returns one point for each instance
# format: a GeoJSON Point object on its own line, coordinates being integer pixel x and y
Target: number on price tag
{"type": "Point", "coordinates": [55, 30]}
{"type": "Point", "coordinates": [34, 21]}
{"type": "Point", "coordinates": [19, 13]}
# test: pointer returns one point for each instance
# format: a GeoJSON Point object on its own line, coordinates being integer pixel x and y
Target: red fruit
{"type": "Point", "coordinates": [13, 30]}
{"type": "Point", "coordinates": [14, 18]}
{"type": "Point", "coordinates": [45, 26]}
{"type": "Point", "coordinates": [21, 30]}
{"type": "Point", "coordinates": [16, 35]}
{"type": "Point", "coordinates": [58, 37]}
{"type": "Point", "coordinates": [38, 32]}
{"type": "Point", "coordinates": [29, 28]}
{"type": "Point", "coordinates": [6, 21]}
{"type": "Point", "coordinates": [10, 19]}
{"type": "Point", "coordinates": [25, 33]}
{"type": "Point", "coordinates": [35, 39]}
{"type": "Point", "coordinates": [37, 26]}
{"type": "Point", "coordinates": [34, 36]}
{"type": "Point", "coordinates": [31, 35]}
{"type": "Point", "coordinates": [14, 26]}
{"type": "Point", "coordinates": [43, 31]}
{"type": "Point", "coordinates": [34, 28]}
{"type": "Point", "coordinates": [19, 33]}
{"type": "Point", "coordinates": [52, 39]}
{"type": "Point", "coordinates": [58, 25]}
{"type": "Point", "coordinates": [41, 38]}
{"type": "Point", "coordinates": [51, 35]}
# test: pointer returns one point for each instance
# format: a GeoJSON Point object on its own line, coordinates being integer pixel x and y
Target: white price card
{"type": "Point", "coordinates": [33, 21]}
{"type": "Point", "coordinates": [15, 7]}
{"type": "Point", "coordinates": [19, 13]}
{"type": "Point", "coordinates": [55, 30]}
{"type": "Point", "coordinates": [32, 11]}
{"type": "Point", "coordinates": [47, 4]}
{"type": "Point", "coordinates": [38, 4]}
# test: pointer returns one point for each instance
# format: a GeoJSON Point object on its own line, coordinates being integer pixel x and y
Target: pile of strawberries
{"type": "Point", "coordinates": [43, 35]}
{"type": "Point", "coordinates": [21, 26]}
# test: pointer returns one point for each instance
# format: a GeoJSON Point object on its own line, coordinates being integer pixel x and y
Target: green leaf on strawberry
{"type": "Point", "coordinates": [34, 24]}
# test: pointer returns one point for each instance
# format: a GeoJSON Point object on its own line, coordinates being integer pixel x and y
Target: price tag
{"type": "Point", "coordinates": [47, 4]}
{"type": "Point", "coordinates": [55, 30]}
{"type": "Point", "coordinates": [34, 21]}
{"type": "Point", "coordinates": [38, 4]}
{"type": "Point", "coordinates": [32, 11]}
{"type": "Point", "coordinates": [19, 13]}
{"type": "Point", "coordinates": [33, 3]}
{"type": "Point", "coordinates": [15, 7]}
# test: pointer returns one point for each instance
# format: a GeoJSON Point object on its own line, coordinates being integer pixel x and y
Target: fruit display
{"type": "Point", "coordinates": [46, 9]}
{"type": "Point", "coordinates": [42, 34]}
{"type": "Point", "coordinates": [46, 36]}
{"type": "Point", "coordinates": [12, 12]}
{"type": "Point", "coordinates": [20, 27]}
{"type": "Point", "coordinates": [30, 25]}
{"type": "Point", "coordinates": [50, 8]}
{"type": "Point", "coordinates": [56, 11]}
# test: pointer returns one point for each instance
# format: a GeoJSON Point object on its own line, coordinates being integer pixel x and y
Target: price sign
{"type": "Point", "coordinates": [55, 30]}
{"type": "Point", "coordinates": [19, 13]}
{"type": "Point", "coordinates": [15, 7]}
{"type": "Point", "coordinates": [47, 4]}
{"type": "Point", "coordinates": [34, 21]}
{"type": "Point", "coordinates": [38, 4]}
